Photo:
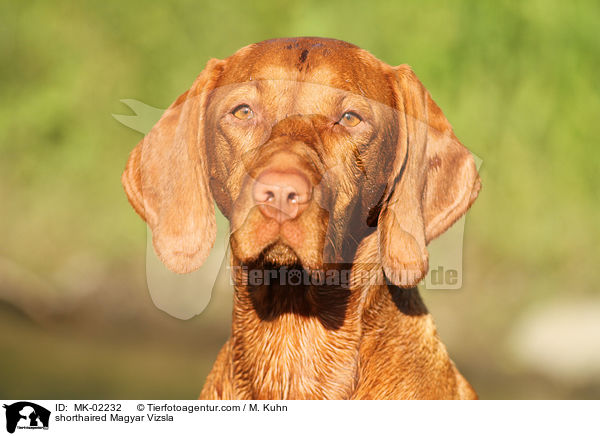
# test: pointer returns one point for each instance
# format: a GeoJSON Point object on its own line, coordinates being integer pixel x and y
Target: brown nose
{"type": "Point", "coordinates": [281, 195]}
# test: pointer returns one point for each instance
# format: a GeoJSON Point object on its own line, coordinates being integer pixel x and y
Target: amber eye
{"type": "Point", "coordinates": [243, 112]}
{"type": "Point", "coordinates": [350, 119]}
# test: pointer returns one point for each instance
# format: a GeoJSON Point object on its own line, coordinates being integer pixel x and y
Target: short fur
{"type": "Point", "coordinates": [381, 191]}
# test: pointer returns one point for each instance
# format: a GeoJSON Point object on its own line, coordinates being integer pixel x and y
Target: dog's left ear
{"type": "Point", "coordinates": [166, 179]}
{"type": "Point", "coordinates": [433, 183]}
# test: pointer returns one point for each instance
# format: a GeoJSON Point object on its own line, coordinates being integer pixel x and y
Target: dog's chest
{"type": "Point", "coordinates": [295, 358]}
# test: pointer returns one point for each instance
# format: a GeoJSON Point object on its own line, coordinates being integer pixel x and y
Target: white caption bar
{"type": "Point", "coordinates": [21, 417]}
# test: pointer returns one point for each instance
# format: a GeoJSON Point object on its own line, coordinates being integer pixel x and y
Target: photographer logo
{"type": "Point", "coordinates": [26, 415]}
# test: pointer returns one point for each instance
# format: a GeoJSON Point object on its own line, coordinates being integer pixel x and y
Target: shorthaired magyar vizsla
{"type": "Point", "coordinates": [335, 170]}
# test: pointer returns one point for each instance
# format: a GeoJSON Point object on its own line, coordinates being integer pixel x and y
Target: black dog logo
{"type": "Point", "coordinates": [26, 415]}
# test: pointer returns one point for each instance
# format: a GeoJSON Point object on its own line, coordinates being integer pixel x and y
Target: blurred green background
{"type": "Point", "coordinates": [518, 81]}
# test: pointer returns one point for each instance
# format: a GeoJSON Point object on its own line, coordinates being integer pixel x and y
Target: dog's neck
{"type": "Point", "coordinates": [301, 340]}
{"type": "Point", "coordinates": [294, 340]}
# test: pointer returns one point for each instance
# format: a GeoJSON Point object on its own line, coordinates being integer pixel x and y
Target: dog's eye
{"type": "Point", "coordinates": [243, 112]}
{"type": "Point", "coordinates": [350, 119]}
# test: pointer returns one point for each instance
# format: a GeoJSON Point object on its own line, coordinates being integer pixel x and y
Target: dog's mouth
{"type": "Point", "coordinates": [280, 254]}
{"type": "Point", "coordinates": [279, 269]}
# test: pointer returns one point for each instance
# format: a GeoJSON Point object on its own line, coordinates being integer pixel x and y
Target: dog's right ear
{"type": "Point", "coordinates": [166, 179]}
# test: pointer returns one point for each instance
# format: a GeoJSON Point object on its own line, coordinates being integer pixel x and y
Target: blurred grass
{"type": "Point", "coordinates": [518, 81]}
{"type": "Point", "coordinates": [42, 364]}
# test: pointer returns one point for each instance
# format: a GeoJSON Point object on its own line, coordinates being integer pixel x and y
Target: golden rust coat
{"type": "Point", "coordinates": [376, 173]}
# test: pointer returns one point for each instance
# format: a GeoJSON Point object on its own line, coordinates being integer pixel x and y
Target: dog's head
{"type": "Point", "coordinates": [307, 145]}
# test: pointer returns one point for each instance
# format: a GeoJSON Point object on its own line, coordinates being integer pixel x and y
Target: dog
{"type": "Point", "coordinates": [328, 163]}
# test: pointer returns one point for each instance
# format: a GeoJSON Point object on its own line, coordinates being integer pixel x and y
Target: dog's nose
{"type": "Point", "coordinates": [281, 195]}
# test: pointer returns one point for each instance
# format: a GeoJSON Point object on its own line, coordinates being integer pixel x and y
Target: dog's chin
{"type": "Point", "coordinates": [280, 254]}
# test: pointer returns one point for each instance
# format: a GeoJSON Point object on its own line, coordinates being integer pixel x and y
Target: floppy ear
{"type": "Point", "coordinates": [433, 183]}
{"type": "Point", "coordinates": [166, 179]}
